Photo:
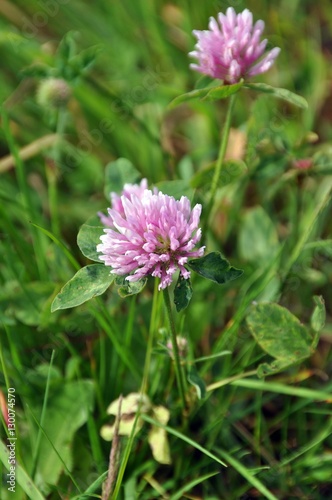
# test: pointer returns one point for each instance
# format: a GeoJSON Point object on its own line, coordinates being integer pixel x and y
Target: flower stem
{"type": "Point", "coordinates": [177, 363]}
{"type": "Point", "coordinates": [220, 160]}
{"type": "Point", "coordinates": [152, 329]}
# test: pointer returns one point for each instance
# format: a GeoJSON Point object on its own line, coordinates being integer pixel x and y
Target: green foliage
{"type": "Point", "coordinates": [208, 94]}
{"type": "Point", "coordinates": [318, 316]}
{"type": "Point", "coordinates": [232, 170]}
{"type": "Point", "coordinates": [126, 288]}
{"type": "Point", "coordinates": [89, 237]}
{"type": "Point", "coordinates": [281, 335]}
{"type": "Point", "coordinates": [271, 217]}
{"type": "Point", "coordinates": [195, 380]}
{"type": "Point", "coordinates": [182, 293]}
{"type": "Point", "coordinates": [283, 94]}
{"type": "Point", "coordinates": [258, 237]}
{"type": "Point", "coordinates": [67, 411]}
{"type": "Point", "coordinates": [176, 188]}
{"type": "Point", "coordinates": [117, 174]}
{"type": "Point", "coordinates": [214, 267]}
{"type": "Point", "coordinates": [88, 282]}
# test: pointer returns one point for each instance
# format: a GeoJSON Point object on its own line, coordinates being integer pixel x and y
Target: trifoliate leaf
{"type": "Point", "coordinates": [214, 267]}
{"type": "Point", "coordinates": [182, 293]}
{"type": "Point", "coordinates": [281, 335]}
{"type": "Point", "coordinates": [88, 282]}
{"type": "Point", "coordinates": [89, 237]}
{"type": "Point", "coordinates": [126, 288]}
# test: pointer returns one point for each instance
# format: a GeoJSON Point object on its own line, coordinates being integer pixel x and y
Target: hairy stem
{"type": "Point", "coordinates": [177, 363]}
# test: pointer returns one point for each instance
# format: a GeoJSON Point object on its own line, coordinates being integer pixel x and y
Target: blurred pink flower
{"type": "Point", "coordinates": [232, 49]}
{"type": "Point", "coordinates": [153, 234]}
{"type": "Point", "coordinates": [303, 163]}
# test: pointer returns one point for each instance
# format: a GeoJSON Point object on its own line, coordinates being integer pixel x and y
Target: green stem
{"type": "Point", "coordinates": [177, 363]}
{"type": "Point", "coordinates": [42, 419]}
{"type": "Point", "coordinates": [220, 159]}
{"type": "Point", "coordinates": [52, 172]}
{"type": "Point", "coordinates": [150, 339]}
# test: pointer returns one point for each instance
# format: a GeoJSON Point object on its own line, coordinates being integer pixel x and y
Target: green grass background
{"type": "Point", "coordinates": [274, 222]}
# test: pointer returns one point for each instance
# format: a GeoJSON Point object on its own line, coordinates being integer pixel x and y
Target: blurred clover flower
{"type": "Point", "coordinates": [150, 233]}
{"type": "Point", "coordinates": [182, 347]}
{"type": "Point", "coordinates": [232, 50]}
{"type": "Point", "coordinates": [53, 92]}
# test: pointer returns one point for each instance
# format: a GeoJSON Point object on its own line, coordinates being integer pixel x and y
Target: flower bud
{"type": "Point", "coordinates": [53, 92]}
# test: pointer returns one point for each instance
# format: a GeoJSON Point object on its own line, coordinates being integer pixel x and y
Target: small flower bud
{"type": "Point", "coordinates": [53, 92]}
{"type": "Point", "coordinates": [182, 347]}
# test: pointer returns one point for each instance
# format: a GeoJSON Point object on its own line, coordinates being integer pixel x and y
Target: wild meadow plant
{"type": "Point", "coordinates": [156, 242]}
{"type": "Point", "coordinates": [151, 234]}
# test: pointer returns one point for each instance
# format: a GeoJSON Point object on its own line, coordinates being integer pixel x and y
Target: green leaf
{"type": "Point", "coordinates": [180, 494]}
{"type": "Point", "coordinates": [248, 475]}
{"type": "Point", "coordinates": [281, 335]}
{"type": "Point", "coordinates": [223, 91]}
{"type": "Point", "coordinates": [319, 315]}
{"type": "Point", "coordinates": [207, 93]}
{"type": "Point", "coordinates": [258, 238]}
{"type": "Point", "coordinates": [205, 81]}
{"type": "Point", "coordinates": [89, 237]}
{"type": "Point", "coordinates": [182, 293]}
{"type": "Point", "coordinates": [37, 70]}
{"type": "Point", "coordinates": [283, 94]}
{"type": "Point", "coordinates": [195, 380]}
{"type": "Point", "coordinates": [189, 96]}
{"type": "Point", "coordinates": [66, 49]}
{"type": "Point", "coordinates": [126, 288]}
{"type": "Point", "coordinates": [117, 174]}
{"type": "Point", "coordinates": [88, 282]}
{"type": "Point", "coordinates": [176, 189]}
{"type": "Point", "coordinates": [84, 60]}
{"type": "Point", "coordinates": [25, 303]}
{"type": "Point", "coordinates": [184, 438]}
{"type": "Point", "coordinates": [67, 410]}
{"type": "Point", "coordinates": [231, 171]}
{"type": "Point", "coordinates": [214, 267]}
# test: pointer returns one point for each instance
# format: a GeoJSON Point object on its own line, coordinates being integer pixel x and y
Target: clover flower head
{"type": "Point", "coordinates": [53, 92]}
{"type": "Point", "coordinates": [150, 234]}
{"type": "Point", "coordinates": [232, 49]}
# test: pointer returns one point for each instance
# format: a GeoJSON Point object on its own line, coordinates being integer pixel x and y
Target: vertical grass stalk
{"type": "Point", "coordinates": [21, 175]}
{"type": "Point", "coordinates": [177, 363]}
{"type": "Point", "coordinates": [52, 172]}
{"type": "Point", "coordinates": [42, 419]}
